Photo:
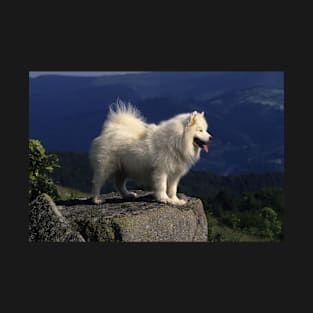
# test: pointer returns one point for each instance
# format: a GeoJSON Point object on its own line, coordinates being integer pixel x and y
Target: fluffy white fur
{"type": "Point", "coordinates": [156, 156]}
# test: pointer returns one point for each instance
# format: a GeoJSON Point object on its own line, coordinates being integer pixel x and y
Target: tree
{"type": "Point", "coordinates": [250, 203]}
{"type": "Point", "coordinates": [227, 199]}
{"type": "Point", "coordinates": [271, 197]}
{"type": "Point", "coordinates": [231, 219]}
{"type": "Point", "coordinates": [40, 166]}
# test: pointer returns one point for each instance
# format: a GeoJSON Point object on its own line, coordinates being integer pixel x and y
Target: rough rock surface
{"type": "Point", "coordinates": [137, 220]}
{"type": "Point", "coordinates": [46, 223]}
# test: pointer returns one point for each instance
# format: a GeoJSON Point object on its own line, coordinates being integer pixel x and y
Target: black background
{"type": "Point", "coordinates": [163, 276]}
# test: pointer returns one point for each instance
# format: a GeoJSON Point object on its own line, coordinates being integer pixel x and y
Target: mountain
{"type": "Point", "coordinates": [245, 112]}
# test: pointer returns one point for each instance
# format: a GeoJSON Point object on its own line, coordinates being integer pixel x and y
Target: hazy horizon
{"type": "Point", "coordinates": [33, 74]}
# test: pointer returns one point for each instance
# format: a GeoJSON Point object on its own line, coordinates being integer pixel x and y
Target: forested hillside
{"type": "Point", "coordinates": [75, 172]}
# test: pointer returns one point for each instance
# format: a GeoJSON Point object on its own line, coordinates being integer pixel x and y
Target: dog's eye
{"type": "Point", "coordinates": [200, 130]}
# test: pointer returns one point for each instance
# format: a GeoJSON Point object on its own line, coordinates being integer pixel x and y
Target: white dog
{"type": "Point", "coordinates": [156, 156]}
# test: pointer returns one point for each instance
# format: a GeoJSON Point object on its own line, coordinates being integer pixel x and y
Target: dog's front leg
{"type": "Point", "coordinates": [172, 184]}
{"type": "Point", "coordinates": [159, 183]}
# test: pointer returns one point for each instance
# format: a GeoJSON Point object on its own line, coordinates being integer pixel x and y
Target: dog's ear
{"type": "Point", "coordinates": [192, 118]}
{"type": "Point", "coordinates": [202, 113]}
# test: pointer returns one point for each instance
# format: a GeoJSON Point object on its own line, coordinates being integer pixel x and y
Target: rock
{"type": "Point", "coordinates": [46, 223]}
{"type": "Point", "coordinates": [136, 220]}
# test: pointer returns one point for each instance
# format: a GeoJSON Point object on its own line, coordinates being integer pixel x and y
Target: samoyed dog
{"type": "Point", "coordinates": [156, 156]}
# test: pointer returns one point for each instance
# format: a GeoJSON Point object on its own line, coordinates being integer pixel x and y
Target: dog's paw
{"type": "Point", "coordinates": [181, 202]}
{"type": "Point", "coordinates": [163, 198]}
{"type": "Point", "coordinates": [97, 200]}
{"type": "Point", "coordinates": [177, 201]}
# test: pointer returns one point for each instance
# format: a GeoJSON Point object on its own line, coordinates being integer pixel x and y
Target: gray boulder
{"type": "Point", "coordinates": [119, 220]}
{"type": "Point", "coordinates": [46, 223]}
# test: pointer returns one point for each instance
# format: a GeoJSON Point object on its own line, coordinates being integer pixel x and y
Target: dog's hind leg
{"type": "Point", "coordinates": [120, 184]}
{"type": "Point", "coordinates": [99, 178]}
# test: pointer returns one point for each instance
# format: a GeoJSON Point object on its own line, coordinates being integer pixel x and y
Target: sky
{"type": "Point", "coordinates": [33, 74]}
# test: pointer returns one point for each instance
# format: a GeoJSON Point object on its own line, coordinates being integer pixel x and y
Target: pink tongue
{"type": "Point", "coordinates": [205, 148]}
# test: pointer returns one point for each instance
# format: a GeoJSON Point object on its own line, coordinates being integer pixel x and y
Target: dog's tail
{"type": "Point", "coordinates": [126, 120]}
{"type": "Point", "coordinates": [120, 108]}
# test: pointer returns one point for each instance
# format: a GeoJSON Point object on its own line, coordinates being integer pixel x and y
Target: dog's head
{"type": "Point", "coordinates": [198, 126]}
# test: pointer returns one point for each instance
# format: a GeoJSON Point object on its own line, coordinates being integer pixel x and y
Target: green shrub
{"type": "Point", "coordinates": [271, 227]}
{"type": "Point", "coordinates": [40, 166]}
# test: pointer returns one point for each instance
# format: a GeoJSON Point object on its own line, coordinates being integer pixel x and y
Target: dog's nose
{"type": "Point", "coordinates": [210, 138]}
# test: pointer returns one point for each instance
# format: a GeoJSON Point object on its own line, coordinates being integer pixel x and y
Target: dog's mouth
{"type": "Point", "coordinates": [201, 144]}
